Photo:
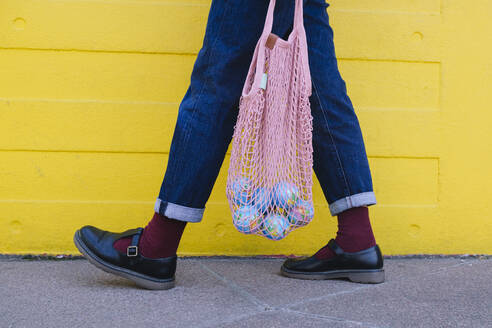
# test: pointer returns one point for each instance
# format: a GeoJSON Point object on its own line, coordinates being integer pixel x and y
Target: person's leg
{"type": "Point", "coordinates": [340, 164]}
{"type": "Point", "coordinates": [340, 160]}
{"type": "Point", "coordinates": [209, 110]}
{"type": "Point", "coordinates": [202, 134]}
{"type": "Point", "coordinates": [204, 127]}
{"type": "Point", "coordinates": [208, 113]}
{"type": "Point", "coordinates": [206, 119]}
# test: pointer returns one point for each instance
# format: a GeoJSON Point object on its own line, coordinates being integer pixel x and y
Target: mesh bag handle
{"type": "Point", "coordinates": [298, 16]}
{"type": "Point", "coordinates": [297, 30]}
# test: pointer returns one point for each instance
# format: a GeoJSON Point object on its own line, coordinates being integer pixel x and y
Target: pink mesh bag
{"type": "Point", "coordinates": [269, 182]}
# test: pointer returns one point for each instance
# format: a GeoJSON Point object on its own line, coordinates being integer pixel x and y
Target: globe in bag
{"type": "Point", "coordinates": [269, 212]}
{"type": "Point", "coordinates": [247, 219]}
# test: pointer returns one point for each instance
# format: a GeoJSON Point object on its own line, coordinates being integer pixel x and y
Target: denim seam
{"type": "Point", "coordinates": [332, 140]}
{"type": "Point", "coordinates": [188, 131]}
{"type": "Point", "coordinates": [184, 213]}
{"type": "Point", "coordinates": [356, 200]}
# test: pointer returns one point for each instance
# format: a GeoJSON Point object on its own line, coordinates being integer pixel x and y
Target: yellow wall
{"type": "Point", "coordinates": [89, 91]}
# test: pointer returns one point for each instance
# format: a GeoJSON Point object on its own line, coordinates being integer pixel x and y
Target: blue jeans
{"type": "Point", "coordinates": [208, 112]}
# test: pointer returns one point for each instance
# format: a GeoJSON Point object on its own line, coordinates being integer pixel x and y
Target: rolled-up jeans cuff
{"type": "Point", "coordinates": [357, 200]}
{"type": "Point", "coordinates": [178, 212]}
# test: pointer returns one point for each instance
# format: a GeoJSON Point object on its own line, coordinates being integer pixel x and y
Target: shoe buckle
{"type": "Point", "coordinates": [131, 251]}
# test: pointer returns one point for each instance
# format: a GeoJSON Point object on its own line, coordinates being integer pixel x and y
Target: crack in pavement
{"type": "Point", "coordinates": [263, 307]}
{"type": "Point", "coordinates": [253, 299]}
{"type": "Point", "coordinates": [331, 318]}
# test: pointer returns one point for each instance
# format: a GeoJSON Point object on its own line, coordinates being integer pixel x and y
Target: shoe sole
{"type": "Point", "coordinates": [360, 276]}
{"type": "Point", "coordinates": [141, 280]}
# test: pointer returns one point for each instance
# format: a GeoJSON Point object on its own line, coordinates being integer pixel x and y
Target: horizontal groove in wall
{"type": "Point", "coordinates": [148, 79]}
{"type": "Point", "coordinates": [134, 177]}
{"type": "Point", "coordinates": [47, 151]}
{"type": "Point", "coordinates": [194, 54]}
{"type": "Point", "coordinates": [403, 6]}
{"type": "Point", "coordinates": [385, 12]}
{"type": "Point", "coordinates": [103, 51]}
{"type": "Point", "coordinates": [75, 201]}
{"type": "Point", "coordinates": [214, 203]}
{"type": "Point", "coordinates": [8, 101]}
{"type": "Point", "coordinates": [68, 151]}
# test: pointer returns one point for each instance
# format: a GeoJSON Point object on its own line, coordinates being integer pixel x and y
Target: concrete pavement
{"type": "Point", "coordinates": [234, 292]}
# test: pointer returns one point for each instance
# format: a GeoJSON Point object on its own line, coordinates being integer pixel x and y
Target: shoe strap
{"type": "Point", "coordinates": [129, 232]}
{"type": "Point", "coordinates": [335, 248]}
{"type": "Point", "coordinates": [132, 250]}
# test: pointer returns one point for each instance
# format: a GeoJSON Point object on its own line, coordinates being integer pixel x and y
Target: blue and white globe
{"type": "Point", "coordinates": [275, 226]}
{"type": "Point", "coordinates": [301, 213]}
{"type": "Point", "coordinates": [286, 194]}
{"type": "Point", "coordinates": [262, 199]}
{"type": "Point", "coordinates": [247, 219]}
{"type": "Point", "coordinates": [241, 189]}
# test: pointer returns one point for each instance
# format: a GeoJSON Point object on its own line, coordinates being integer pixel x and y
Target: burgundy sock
{"type": "Point", "coordinates": [354, 232]}
{"type": "Point", "coordinates": [160, 238]}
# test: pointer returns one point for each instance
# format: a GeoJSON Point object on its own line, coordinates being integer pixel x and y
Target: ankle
{"type": "Point", "coordinates": [354, 230]}
{"type": "Point", "coordinates": [159, 239]}
{"type": "Point", "coordinates": [354, 233]}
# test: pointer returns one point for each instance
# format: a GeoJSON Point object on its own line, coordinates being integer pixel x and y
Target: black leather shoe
{"type": "Point", "coordinates": [365, 266]}
{"type": "Point", "coordinates": [97, 246]}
